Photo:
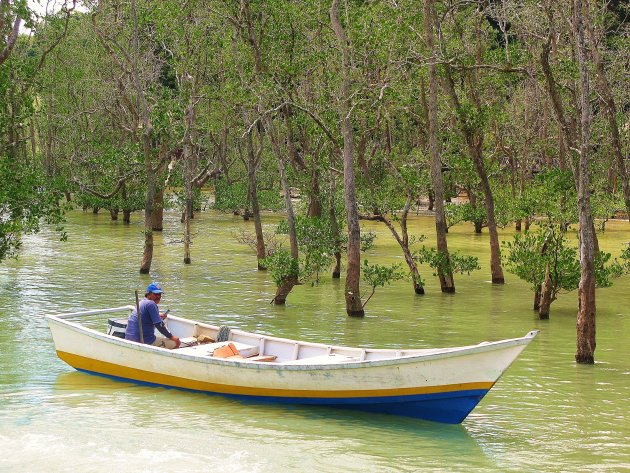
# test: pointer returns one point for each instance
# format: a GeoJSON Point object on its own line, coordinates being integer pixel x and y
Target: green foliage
{"type": "Point", "coordinates": [531, 254]}
{"type": "Point", "coordinates": [27, 199]}
{"type": "Point", "coordinates": [180, 198]}
{"type": "Point", "coordinates": [281, 265]}
{"type": "Point", "coordinates": [465, 212]}
{"type": "Point", "coordinates": [604, 206]}
{"type": "Point", "coordinates": [234, 197]}
{"type": "Point", "coordinates": [443, 265]}
{"type": "Point", "coordinates": [316, 242]}
{"type": "Point", "coordinates": [230, 198]}
{"type": "Point", "coordinates": [551, 196]}
{"type": "Point", "coordinates": [367, 240]}
{"type": "Point", "coordinates": [473, 119]}
{"type": "Point", "coordinates": [376, 275]}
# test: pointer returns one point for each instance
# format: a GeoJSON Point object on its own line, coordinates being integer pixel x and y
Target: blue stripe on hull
{"type": "Point", "coordinates": [448, 407]}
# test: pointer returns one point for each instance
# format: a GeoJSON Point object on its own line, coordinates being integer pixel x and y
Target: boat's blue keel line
{"type": "Point", "coordinates": [450, 407]}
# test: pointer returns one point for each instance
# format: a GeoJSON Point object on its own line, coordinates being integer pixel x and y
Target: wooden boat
{"type": "Point", "coordinates": [437, 384]}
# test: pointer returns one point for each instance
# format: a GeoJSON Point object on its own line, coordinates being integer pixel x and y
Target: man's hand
{"type": "Point", "coordinates": [176, 340]}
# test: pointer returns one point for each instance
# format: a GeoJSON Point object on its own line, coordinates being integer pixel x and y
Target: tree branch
{"type": "Point", "coordinates": [119, 185]}
{"type": "Point", "coordinates": [42, 59]}
{"type": "Point", "coordinates": [4, 54]}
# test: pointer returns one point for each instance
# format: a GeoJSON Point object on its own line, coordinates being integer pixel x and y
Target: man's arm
{"type": "Point", "coordinates": [164, 331]}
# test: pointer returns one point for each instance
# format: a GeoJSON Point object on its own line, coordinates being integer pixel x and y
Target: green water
{"type": "Point", "coordinates": [545, 414]}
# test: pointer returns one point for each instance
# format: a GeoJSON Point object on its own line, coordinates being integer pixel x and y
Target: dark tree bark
{"type": "Point", "coordinates": [610, 109]}
{"type": "Point", "coordinates": [252, 168]}
{"type": "Point", "coordinates": [546, 296]}
{"type": "Point", "coordinates": [247, 31]}
{"type": "Point", "coordinates": [447, 284]}
{"type": "Point", "coordinates": [403, 241]}
{"type": "Point", "coordinates": [585, 352]}
{"type": "Point", "coordinates": [354, 306]}
{"type": "Point", "coordinates": [291, 280]}
{"type": "Point", "coordinates": [336, 274]}
{"type": "Point", "coordinates": [157, 218]}
{"type": "Point", "coordinates": [537, 296]}
{"type": "Point", "coordinates": [474, 143]}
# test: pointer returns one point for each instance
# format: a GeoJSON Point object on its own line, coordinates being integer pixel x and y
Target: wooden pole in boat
{"type": "Point", "coordinates": [139, 318]}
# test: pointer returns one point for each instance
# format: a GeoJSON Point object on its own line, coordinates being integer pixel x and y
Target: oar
{"type": "Point", "coordinates": [139, 318]}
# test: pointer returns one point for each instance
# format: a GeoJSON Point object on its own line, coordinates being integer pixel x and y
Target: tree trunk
{"type": "Point", "coordinates": [610, 108]}
{"type": "Point", "coordinates": [252, 165]}
{"type": "Point", "coordinates": [537, 296]}
{"type": "Point", "coordinates": [283, 290]}
{"type": "Point", "coordinates": [546, 296]}
{"type": "Point", "coordinates": [495, 246]}
{"type": "Point", "coordinates": [126, 211]}
{"type": "Point", "coordinates": [336, 274]}
{"type": "Point", "coordinates": [585, 343]}
{"type": "Point", "coordinates": [290, 281]}
{"type": "Point", "coordinates": [447, 283]}
{"type": "Point", "coordinates": [188, 210]}
{"type": "Point", "coordinates": [353, 274]}
{"type": "Point", "coordinates": [157, 219]}
{"type": "Point", "coordinates": [146, 141]}
{"type": "Point", "coordinates": [147, 255]}
{"type": "Point", "coordinates": [403, 241]}
{"type": "Point", "coordinates": [190, 165]}
{"type": "Point", "coordinates": [249, 35]}
{"type": "Point", "coordinates": [314, 203]}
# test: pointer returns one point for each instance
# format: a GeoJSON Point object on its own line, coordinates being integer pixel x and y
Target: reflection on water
{"type": "Point", "coordinates": [347, 439]}
{"type": "Point", "coordinates": [545, 414]}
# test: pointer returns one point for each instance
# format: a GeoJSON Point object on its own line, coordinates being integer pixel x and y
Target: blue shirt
{"type": "Point", "coordinates": [150, 317]}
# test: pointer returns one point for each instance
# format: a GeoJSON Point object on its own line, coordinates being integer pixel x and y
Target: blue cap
{"type": "Point", "coordinates": [154, 288]}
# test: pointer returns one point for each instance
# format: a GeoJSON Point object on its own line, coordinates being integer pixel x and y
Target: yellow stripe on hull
{"type": "Point", "coordinates": [111, 369]}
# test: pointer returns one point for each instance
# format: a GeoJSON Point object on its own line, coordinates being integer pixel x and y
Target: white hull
{"type": "Point", "coordinates": [436, 384]}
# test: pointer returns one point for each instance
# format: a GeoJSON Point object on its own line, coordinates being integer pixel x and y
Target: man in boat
{"type": "Point", "coordinates": [151, 319]}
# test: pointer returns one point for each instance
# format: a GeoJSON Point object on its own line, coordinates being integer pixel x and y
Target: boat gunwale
{"type": "Point", "coordinates": [442, 353]}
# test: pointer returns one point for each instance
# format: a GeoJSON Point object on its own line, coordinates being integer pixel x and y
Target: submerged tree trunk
{"type": "Point", "coordinates": [537, 296]}
{"type": "Point", "coordinates": [252, 165]}
{"type": "Point", "coordinates": [354, 307]}
{"type": "Point", "coordinates": [403, 241]}
{"type": "Point", "coordinates": [495, 246]}
{"type": "Point", "coordinates": [546, 296]}
{"type": "Point", "coordinates": [291, 280]}
{"type": "Point", "coordinates": [447, 283]}
{"type": "Point", "coordinates": [157, 218]}
{"type": "Point", "coordinates": [126, 211]}
{"type": "Point", "coordinates": [147, 147]}
{"type": "Point", "coordinates": [474, 141]}
{"type": "Point", "coordinates": [336, 274]}
{"type": "Point", "coordinates": [147, 255]}
{"type": "Point", "coordinates": [189, 171]}
{"type": "Point", "coordinates": [585, 343]}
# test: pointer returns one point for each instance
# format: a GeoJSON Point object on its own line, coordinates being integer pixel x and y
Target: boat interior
{"type": "Point", "coordinates": [205, 340]}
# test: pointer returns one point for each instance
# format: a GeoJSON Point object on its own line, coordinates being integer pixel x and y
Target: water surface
{"type": "Point", "coordinates": [545, 414]}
